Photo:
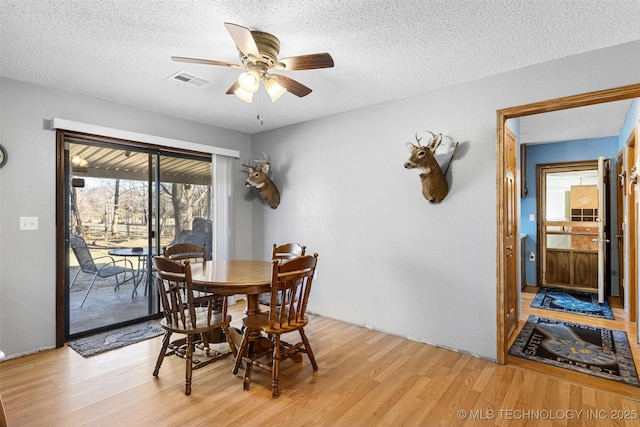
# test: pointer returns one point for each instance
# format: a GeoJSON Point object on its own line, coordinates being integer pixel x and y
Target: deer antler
{"type": "Point", "coordinates": [266, 162]}
{"type": "Point", "coordinates": [248, 167]}
{"type": "Point", "coordinates": [433, 135]}
{"type": "Point", "coordinates": [266, 159]}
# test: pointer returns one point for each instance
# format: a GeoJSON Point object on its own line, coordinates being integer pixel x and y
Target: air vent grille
{"type": "Point", "coordinates": [182, 78]}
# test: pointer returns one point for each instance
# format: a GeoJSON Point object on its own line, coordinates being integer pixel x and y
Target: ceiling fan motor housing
{"type": "Point", "coordinates": [268, 46]}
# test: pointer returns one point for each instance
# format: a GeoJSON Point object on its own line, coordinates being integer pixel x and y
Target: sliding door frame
{"type": "Point", "coordinates": [65, 128]}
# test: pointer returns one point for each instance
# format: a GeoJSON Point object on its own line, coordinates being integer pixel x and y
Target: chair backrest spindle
{"type": "Point", "coordinates": [292, 279]}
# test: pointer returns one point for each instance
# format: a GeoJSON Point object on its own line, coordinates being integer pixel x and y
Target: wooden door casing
{"type": "Point", "coordinates": [632, 229]}
{"type": "Point", "coordinates": [514, 112]}
{"type": "Point", "coordinates": [511, 258]}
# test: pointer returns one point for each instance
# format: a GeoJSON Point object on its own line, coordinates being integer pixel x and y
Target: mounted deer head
{"type": "Point", "coordinates": [434, 183]}
{"type": "Point", "coordinates": [257, 177]}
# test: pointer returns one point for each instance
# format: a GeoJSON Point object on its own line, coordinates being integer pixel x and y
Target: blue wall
{"type": "Point", "coordinates": [568, 151]}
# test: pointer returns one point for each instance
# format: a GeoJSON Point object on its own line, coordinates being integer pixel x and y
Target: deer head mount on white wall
{"type": "Point", "coordinates": [434, 181]}
{"type": "Point", "coordinates": [257, 176]}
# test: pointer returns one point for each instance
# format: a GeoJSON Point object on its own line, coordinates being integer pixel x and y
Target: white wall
{"type": "Point", "coordinates": [388, 259]}
{"type": "Point", "coordinates": [27, 188]}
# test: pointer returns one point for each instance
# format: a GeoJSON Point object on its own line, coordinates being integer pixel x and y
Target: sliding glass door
{"type": "Point", "coordinates": [183, 194]}
{"type": "Point", "coordinates": [123, 204]}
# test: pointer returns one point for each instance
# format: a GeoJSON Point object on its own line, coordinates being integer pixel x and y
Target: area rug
{"type": "Point", "coordinates": [121, 337]}
{"type": "Point", "coordinates": [592, 350]}
{"type": "Point", "coordinates": [575, 302]}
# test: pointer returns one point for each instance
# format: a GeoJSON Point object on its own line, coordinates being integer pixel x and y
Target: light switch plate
{"type": "Point", "coordinates": [28, 223]}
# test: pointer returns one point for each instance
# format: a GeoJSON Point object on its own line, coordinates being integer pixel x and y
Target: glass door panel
{"type": "Point", "coordinates": [124, 204]}
{"type": "Point", "coordinates": [184, 201]}
{"type": "Point", "coordinates": [108, 235]}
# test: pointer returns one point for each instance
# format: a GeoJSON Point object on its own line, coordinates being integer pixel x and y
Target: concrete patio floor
{"type": "Point", "coordinates": [105, 305]}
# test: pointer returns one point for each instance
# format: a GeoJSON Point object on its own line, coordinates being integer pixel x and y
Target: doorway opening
{"type": "Point", "coordinates": [506, 262]}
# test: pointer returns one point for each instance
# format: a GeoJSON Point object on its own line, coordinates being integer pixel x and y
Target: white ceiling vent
{"type": "Point", "coordinates": [183, 78]}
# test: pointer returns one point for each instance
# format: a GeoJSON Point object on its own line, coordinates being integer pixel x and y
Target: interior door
{"type": "Point", "coordinates": [620, 195]}
{"type": "Point", "coordinates": [510, 252]}
{"type": "Point", "coordinates": [572, 225]}
{"type": "Point", "coordinates": [602, 222]}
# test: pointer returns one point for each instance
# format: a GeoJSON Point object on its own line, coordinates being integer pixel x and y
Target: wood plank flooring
{"type": "Point", "coordinates": [365, 378]}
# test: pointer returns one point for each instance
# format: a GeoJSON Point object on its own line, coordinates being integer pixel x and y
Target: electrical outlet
{"type": "Point", "coordinates": [28, 223]}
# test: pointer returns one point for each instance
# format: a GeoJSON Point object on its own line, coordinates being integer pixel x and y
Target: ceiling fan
{"type": "Point", "coordinates": [259, 54]}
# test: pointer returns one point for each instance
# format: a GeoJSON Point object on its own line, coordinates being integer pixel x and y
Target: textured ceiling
{"type": "Point", "coordinates": [119, 51]}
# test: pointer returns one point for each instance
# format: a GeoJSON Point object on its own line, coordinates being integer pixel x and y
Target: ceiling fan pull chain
{"type": "Point", "coordinates": [260, 117]}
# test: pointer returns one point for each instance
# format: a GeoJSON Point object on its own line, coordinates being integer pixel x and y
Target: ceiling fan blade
{"type": "Point", "coordinates": [308, 62]}
{"type": "Point", "coordinates": [233, 88]}
{"type": "Point", "coordinates": [296, 88]}
{"type": "Point", "coordinates": [205, 61]}
{"type": "Point", "coordinates": [243, 39]}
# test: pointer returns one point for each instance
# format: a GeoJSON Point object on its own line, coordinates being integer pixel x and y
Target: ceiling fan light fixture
{"type": "Point", "coordinates": [274, 89]}
{"type": "Point", "coordinates": [258, 52]}
{"type": "Point", "coordinates": [245, 95]}
{"type": "Point", "coordinates": [249, 81]}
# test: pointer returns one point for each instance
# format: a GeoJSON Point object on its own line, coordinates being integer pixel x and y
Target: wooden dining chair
{"type": "Point", "coordinates": [183, 251]}
{"type": "Point", "coordinates": [287, 251]}
{"type": "Point", "coordinates": [182, 315]}
{"type": "Point", "coordinates": [194, 253]}
{"type": "Point", "coordinates": [293, 279]}
{"type": "Point", "coordinates": [282, 253]}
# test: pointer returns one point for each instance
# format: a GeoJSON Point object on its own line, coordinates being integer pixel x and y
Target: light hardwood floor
{"type": "Point", "coordinates": [365, 378]}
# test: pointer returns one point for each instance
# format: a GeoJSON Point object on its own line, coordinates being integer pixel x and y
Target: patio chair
{"type": "Point", "coordinates": [199, 235]}
{"type": "Point", "coordinates": [106, 268]}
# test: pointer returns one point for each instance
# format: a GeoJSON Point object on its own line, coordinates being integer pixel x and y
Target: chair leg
{"type": "Point", "coordinates": [307, 347]}
{"type": "Point", "coordinates": [248, 366]}
{"type": "Point", "coordinates": [232, 345]}
{"type": "Point", "coordinates": [75, 277]}
{"type": "Point", "coordinates": [189, 363]}
{"type": "Point", "coordinates": [163, 352]}
{"type": "Point", "coordinates": [88, 289]}
{"type": "Point", "coordinates": [275, 369]}
{"type": "Point", "coordinates": [242, 351]}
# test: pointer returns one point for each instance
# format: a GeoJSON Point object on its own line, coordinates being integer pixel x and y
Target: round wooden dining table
{"type": "Point", "coordinates": [233, 277]}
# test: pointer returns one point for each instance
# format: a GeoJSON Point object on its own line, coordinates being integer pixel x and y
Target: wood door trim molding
{"type": "Point", "coordinates": [632, 145]}
{"type": "Point", "coordinates": [581, 100]}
